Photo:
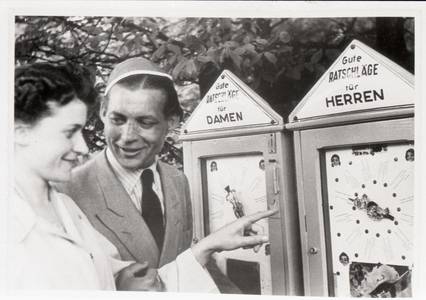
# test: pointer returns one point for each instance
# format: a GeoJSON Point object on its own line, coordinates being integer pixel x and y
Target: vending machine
{"type": "Point", "coordinates": [239, 160]}
{"type": "Point", "coordinates": [354, 153]}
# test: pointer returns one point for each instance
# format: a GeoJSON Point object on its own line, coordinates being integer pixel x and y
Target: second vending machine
{"type": "Point", "coordinates": [239, 160]}
{"type": "Point", "coordinates": [354, 148]}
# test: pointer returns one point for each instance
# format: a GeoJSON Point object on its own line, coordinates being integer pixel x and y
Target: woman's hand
{"type": "Point", "coordinates": [237, 234]}
{"type": "Point", "coordinates": [139, 277]}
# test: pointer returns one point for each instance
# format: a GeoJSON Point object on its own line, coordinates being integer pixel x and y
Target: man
{"type": "Point", "coordinates": [139, 203]}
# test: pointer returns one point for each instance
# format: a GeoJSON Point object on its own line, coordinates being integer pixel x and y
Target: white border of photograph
{"type": "Point", "coordinates": [170, 9]}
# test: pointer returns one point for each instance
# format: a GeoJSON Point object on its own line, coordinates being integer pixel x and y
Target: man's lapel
{"type": "Point", "coordinates": [173, 212]}
{"type": "Point", "coordinates": [122, 217]}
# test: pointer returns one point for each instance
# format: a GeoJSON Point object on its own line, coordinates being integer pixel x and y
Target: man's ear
{"type": "Point", "coordinates": [103, 109]}
{"type": "Point", "coordinates": [173, 122]}
{"type": "Point", "coordinates": [22, 134]}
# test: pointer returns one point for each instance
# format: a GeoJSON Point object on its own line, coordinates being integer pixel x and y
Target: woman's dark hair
{"type": "Point", "coordinates": [148, 81]}
{"type": "Point", "coordinates": [40, 84]}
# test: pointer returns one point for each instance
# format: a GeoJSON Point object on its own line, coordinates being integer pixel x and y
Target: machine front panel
{"type": "Point", "coordinates": [369, 210]}
{"type": "Point", "coordinates": [236, 186]}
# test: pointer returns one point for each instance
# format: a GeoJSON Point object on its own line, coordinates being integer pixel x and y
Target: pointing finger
{"type": "Point", "coordinates": [250, 241]}
{"type": "Point", "coordinates": [260, 215]}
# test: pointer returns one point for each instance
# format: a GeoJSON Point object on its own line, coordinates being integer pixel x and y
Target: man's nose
{"type": "Point", "coordinates": [130, 131]}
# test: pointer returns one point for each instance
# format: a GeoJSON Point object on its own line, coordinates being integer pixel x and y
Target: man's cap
{"type": "Point", "coordinates": [134, 66]}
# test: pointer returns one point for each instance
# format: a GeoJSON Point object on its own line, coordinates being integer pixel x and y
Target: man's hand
{"type": "Point", "coordinates": [237, 234]}
{"type": "Point", "coordinates": [139, 277]}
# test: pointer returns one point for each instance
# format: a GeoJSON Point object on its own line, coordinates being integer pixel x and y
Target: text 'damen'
{"type": "Point", "coordinates": [225, 118]}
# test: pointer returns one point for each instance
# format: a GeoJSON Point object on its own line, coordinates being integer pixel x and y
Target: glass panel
{"type": "Point", "coordinates": [236, 186]}
{"type": "Point", "coordinates": [370, 212]}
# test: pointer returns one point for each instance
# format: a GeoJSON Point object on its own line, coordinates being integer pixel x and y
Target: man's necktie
{"type": "Point", "coordinates": [151, 208]}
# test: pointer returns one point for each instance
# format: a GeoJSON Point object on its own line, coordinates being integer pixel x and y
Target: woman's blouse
{"type": "Point", "coordinates": [43, 255]}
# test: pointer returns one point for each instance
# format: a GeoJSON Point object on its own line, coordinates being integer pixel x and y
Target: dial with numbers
{"type": "Point", "coordinates": [236, 187]}
{"type": "Point", "coordinates": [370, 208]}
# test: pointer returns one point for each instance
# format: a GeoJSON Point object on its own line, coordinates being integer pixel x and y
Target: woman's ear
{"type": "Point", "coordinates": [22, 134]}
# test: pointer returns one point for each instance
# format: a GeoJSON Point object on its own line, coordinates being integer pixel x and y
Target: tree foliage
{"type": "Point", "coordinates": [279, 58]}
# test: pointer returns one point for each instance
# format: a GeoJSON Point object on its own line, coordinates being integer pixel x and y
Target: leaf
{"type": "Point", "coordinates": [285, 49]}
{"type": "Point", "coordinates": [94, 43]}
{"type": "Point", "coordinates": [316, 57]}
{"type": "Point", "coordinates": [256, 59]}
{"type": "Point", "coordinates": [296, 72]}
{"type": "Point", "coordinates": [123, 51]}
{"type": "Point", "coordinates": [284, 37]}
{"type": "Point", "coordinates": [236, 59]}
{"type": "Point", "coordinates": [173, 48]}
{"type": "Point", "coordinates": [179, 67]}
{"type": "Point", "coordinates": [190, 69]}
{"type": "Point", "coordinates": [193, 43]}
{"type": "Point", "coordinates": [250, 48]}
{"type": "Point", "coordinates": [44, 48]}
{"type": "Point", "coordinates": [96, 31]}
{"type": "Point", "coordinates": [282, 71]}
{"type": "Point", "coordinates": [246, 64]}
{"type": "Point", "coordinates": [118, 35]}
{"type": "Point", "coordinates": [248, 38]}
{"type": "Point", "coordinates": [309, 66]}
{"type": "Point", "coordinates": [274, 22]}
{"type": "Point", "coordinates": [215, 56]}
{"type": "Point", "coordinates": [320, 69]}
{"type": "Point", "coordinates": [159, 53]}
{"type": "Point", "coordinates": [205, 59]}
{"type": "Point", "coordinates": [138, 41]}
{"type": "Point", "coordinates": [231, 44]}
{"type": "Point", "coordinates": [332, 54]}
{"type": "Point", "coordinates": [262, 42]}
{"type": "Point", "coordinates": [255, 83]}
{"type": "Point", "coordinates": [270, 57]}
{"type": "Point", "coordinates": [409, 25]}
{"type": "Point", "coordinates": [172, 60]}
{"type": "Point", "coordinates": [240, 50]}
{"type": "Point", "coordinates": [268, 76]}
{"type": "Point", "coordinates": [225, 23]}
{"type": "Point", "coordinates": [223, 55]}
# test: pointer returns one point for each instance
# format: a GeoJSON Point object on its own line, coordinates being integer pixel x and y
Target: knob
{"type": "Point", "coordinates": [313, 250]}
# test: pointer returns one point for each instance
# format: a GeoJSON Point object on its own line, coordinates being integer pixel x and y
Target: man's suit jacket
{"type": "Point", "coordinates": [99, 194]}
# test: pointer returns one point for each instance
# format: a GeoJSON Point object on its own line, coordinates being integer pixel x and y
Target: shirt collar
{"type": "Point", "coordinates": [22, 217]}
{"type": "Point", "coordinates": [123, 172]}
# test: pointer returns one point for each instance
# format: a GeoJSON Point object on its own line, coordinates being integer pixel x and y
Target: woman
{"type": "Point", "coordinates": [54, 246]}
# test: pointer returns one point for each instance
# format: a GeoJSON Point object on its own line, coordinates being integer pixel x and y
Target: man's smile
{"type": "Point", "coordinates": [128, 151]}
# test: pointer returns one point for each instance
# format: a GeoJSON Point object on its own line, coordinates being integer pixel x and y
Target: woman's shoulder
{"type": "Point", "coordinates": [70, 205]}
